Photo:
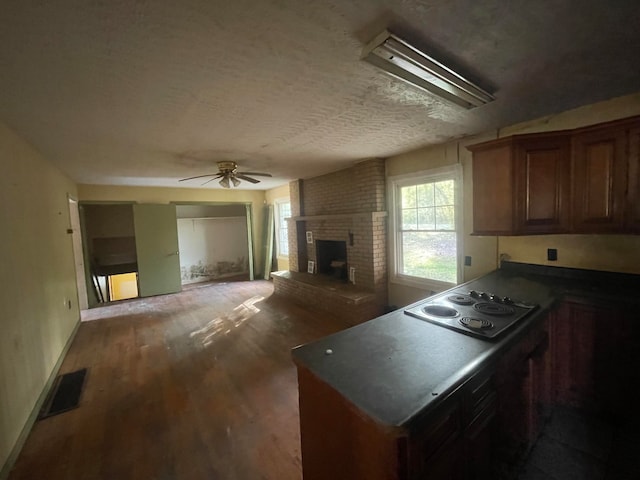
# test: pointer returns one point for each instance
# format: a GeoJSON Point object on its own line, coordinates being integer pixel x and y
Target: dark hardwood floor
{"type": "Point", "coordinates": [194, 385]}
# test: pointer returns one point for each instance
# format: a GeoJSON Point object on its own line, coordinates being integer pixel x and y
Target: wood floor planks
{"type": "Point", "coordinates": [195, 385]}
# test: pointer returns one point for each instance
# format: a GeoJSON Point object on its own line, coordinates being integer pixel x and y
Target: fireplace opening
{"type": "Point", "coordinates": [331, 257]}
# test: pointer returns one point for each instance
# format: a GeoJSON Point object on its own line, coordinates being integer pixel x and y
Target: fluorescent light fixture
{"type": "Point", "coordinates": [401, 60]}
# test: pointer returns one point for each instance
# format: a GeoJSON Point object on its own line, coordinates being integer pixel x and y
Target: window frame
{"type": "Point", "coordinates": [394, 184]}
{"type": "Point", "coordinates": [277, 225]}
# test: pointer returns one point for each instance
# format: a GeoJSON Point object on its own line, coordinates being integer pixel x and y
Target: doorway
{"type": "Point", "coordinates": [78, 257]}
{"type": "Point", "coordinates": [110, 246]}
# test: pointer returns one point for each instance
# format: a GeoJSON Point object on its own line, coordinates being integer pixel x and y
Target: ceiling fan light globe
{"type": "Point", "coordinates": [235, 181]}
{"type": "Point", "coordinates": [224, 182]}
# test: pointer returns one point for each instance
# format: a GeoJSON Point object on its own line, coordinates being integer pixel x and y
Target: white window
{"type": "Point", "coordinates": [426, 225]}
{"type": "Point", "coordinates": [283, 211]}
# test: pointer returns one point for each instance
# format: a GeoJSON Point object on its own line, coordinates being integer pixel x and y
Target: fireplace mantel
{"type": "Point", "coordinates": [366, 215]}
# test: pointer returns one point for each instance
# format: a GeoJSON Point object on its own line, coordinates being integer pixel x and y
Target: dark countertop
{"type": "Point", "coordinates": [395, 367]}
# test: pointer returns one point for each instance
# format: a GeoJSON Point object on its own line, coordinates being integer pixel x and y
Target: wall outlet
{"type": "Point", "coordinates": [352, 275]}
{"type": "Point", "coordinates": [552, 254]}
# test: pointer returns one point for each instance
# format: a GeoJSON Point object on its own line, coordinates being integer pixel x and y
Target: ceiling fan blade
{"type": "Point", "coordinates": [248, 179]}
{"type": "Point", "coordinates": [199, 176]}
{"type": "Point", "coordinates": [211, 180]}
{"type": "Point", "coordinates": [255, 174]}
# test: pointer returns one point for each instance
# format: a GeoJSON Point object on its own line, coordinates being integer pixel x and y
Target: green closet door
{"type": "Point", "coordinates": [157, 249]}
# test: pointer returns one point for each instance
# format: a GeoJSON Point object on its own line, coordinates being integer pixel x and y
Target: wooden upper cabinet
{"type": "Point", "coordinates": [493, 188]}
{"type": "Point", "coordinates": [585, 180]}
{"type": "Point", "coordinates": [521, 185]}
{"type": "Point", "coordinates": [633, 204]}
{"type": "Point", "coordinates": [542, 170]}
{"type": "Point", "coordinates": [600, 180]}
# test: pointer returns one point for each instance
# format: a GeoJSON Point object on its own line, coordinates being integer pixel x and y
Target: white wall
{"type": "Point", "coordinates": [37, 282]}
{"type": "Point", "coordinates": [212, 248]}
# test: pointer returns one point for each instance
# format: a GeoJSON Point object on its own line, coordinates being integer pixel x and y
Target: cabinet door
{"type": "Point", "coordinates": [493, 190]}
{"type": "Point", "coordinates": [600, 170]}
{"type": "Point", "coordinates": [479, 443]}
{"type": "Point", "coordinates": [633, 204]}
{"type": "Point", "coordinates": [596, 360]}
{"type": "Point", "coordinates": [436, 449]}
{"type": "Point", "coordinates": [522, 386]}
{"type": "Point", "coordinates": [574, 355]}
{"type": "Point", "coordinates": [543, 167]}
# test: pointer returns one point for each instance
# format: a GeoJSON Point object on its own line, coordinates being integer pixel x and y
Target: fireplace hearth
{"type": "Point", "coordinates": [331, 256]}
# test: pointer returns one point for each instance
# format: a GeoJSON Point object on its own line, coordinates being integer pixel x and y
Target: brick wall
{"type": "Point", "coordinates": [350, 206]}
{"type": "Point", "coordinates": [358, 189]}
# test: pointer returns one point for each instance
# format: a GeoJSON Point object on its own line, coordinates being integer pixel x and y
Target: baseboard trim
{"type": "Point", "coordinates": [22, 438]}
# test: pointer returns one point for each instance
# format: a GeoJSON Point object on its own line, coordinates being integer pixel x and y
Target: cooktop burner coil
{"type": "Point", "coordinates": [493, 308]}
{"type": "Point", "coordinates": [461, 299]}
{"type": "Point", "coordinates": [440, 311]}
{"type": "Point", "coordinates": [476, 323]}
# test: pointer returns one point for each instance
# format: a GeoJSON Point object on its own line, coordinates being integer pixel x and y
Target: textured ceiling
{"type": "Point", "coordinates": [146, 92]}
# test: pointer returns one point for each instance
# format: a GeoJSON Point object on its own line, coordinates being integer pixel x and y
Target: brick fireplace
{"type": "Point", "coordinates": [345, 208]}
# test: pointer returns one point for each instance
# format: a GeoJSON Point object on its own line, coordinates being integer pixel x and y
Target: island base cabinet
{"type": "Point", "coordinates": [339, 442]}
{"type": "Point", "coordinates": [524, 399]}
{"type": "Point", "coordinates": [453, 441]}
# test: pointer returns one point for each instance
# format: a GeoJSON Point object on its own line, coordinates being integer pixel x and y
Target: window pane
{"type": "Point", "coordinates": [425, 195]}
{"type": "Point", "coordinates": [426, 219]}
{"type": "Point", "coordinates": [409, 219]}
{"type": "Point", "coordinates": [283, 212]}
{"type": "Point", "coordinates": [444, 192]}
{"type": "Point", "coordinates": [283, 242]}
{"type": "Point", "coordinates": [445, 219]}
{"type": "Point", "coordinates": [408, 197]}
{"type": "Point", "coordinates": [429, 255]}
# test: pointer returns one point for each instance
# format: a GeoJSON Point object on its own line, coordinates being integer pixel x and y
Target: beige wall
{"type": "Point", "coordinates": [107, 193]}
{"type": "Point", "coordinates": [37, 279]}
{"type": "Point", "coordinates": [271, 196]}
{"type": "Point", "coordinates": [619, 253]}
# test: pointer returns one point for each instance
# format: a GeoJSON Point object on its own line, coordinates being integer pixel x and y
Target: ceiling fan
{"type": "Point", "coordinates": [229, 174]}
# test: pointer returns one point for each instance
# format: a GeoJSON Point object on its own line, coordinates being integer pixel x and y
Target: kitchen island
{"type": "Point", "coordinates": [400, 397]}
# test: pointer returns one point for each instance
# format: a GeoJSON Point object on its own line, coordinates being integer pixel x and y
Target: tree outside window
{"type": "Point", "coordinates": [426, 227]}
